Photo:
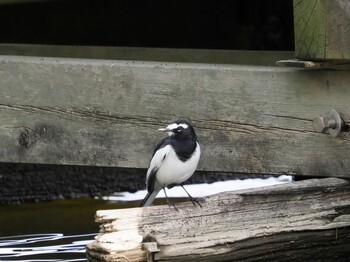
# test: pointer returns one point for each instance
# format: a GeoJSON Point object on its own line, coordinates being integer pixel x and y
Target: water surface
{"type": "Point", "coordinates": [50, 231]}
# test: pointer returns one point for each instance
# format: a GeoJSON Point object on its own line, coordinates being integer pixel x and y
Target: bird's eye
{"type": "Point", "coordinates": [178, 129]}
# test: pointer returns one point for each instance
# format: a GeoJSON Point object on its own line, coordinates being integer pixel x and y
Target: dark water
{"type": "Point", "coordinates": [50, 231]}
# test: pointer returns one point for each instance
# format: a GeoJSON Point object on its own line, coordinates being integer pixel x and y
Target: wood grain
{"type": "Point", "coordinates": [300, 221]}
{"type": "Point", "coordinates": [322, 29]}
{"type": "Point", "coordinates": [249, 119]}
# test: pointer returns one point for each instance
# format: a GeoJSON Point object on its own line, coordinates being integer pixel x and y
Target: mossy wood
{"type": "Point", "coordinates": [250, 119]}
{"type": "Point", "coordinates": [322, 29]}
{"type": "Point", "coordinates": [303, 221]}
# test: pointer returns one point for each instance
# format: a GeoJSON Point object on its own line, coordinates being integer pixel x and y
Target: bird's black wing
{"type": "Point", "coordinates": [155, 163]}
{"type": "Point", "coordinates": [151, 179]}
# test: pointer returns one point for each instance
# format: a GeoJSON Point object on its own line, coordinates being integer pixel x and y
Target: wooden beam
{"type": "Point", "coordinates": [307, 220]}
{"type": "Point", "coordinates": [249, 119]}
{"type": "Point", "coordinates": [312, 64]}
{"type": "Point", "coordinates": [322, 29]}
{"type": "Point", "coordinates": [267, 58]}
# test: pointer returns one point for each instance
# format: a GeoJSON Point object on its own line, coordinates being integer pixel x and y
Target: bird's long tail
{"type": "Point", "coordinates": [147, 201]}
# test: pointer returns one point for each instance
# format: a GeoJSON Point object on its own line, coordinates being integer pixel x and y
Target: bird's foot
{"type": "Point", "coordinates": [195, 201]}
{"type": "Point", "coordinates": [172, 205]}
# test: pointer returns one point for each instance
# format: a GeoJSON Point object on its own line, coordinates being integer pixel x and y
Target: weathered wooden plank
{"type": "Point", "coordinates": [307, 220]}
{"type": "Point", "coordinates": [322, 29]}
{"type": "Point", "coordinates": [312, 64]}
{"type": "Point", "coordinates": [96, 112]}
{"type": "Point", "coordinates": [149, 54]}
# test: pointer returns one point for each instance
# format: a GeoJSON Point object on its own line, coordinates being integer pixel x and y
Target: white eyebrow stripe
{"type": "Point", "coordinates": [174, 125]}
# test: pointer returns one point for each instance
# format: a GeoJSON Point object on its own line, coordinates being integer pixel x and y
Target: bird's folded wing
{"type": "Point", "coordinates": [159, 156]}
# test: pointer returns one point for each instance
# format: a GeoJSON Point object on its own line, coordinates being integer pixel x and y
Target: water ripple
{"type": "Point", "coordinates": [32, 247]}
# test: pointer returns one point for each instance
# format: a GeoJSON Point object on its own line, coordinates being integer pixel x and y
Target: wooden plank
{"type": "Point", "coordinates": [249, 119]}
{"type": "Point", "coordinates": [312, 64]}
{"type": "Point", "coordinates": [307, 220]}
{"type": "Point", "coordinates": [149, 54]}
{"type": "Point", "coordinates": [322, 29]}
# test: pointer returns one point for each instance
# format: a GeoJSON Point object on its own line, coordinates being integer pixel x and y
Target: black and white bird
{"type": "Point", "coordinates": [174, 160]}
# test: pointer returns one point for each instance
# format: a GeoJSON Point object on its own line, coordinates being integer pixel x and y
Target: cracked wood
{"type": "Point", "coordinates": [302, 221]}
{"type": "Point", "coordinates": [250, 119]}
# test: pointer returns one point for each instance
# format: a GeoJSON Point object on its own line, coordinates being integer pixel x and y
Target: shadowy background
{"type": "Point", "coordinates": [224, 24]}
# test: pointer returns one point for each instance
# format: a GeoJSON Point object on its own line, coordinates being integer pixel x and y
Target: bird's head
{"type": "Point", "coordinates": [180, 128]}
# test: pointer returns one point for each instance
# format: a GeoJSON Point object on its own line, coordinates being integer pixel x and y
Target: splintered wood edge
{"type": "Point", "coordinates": [125, 242]}
{"type": "Point", "coordinates": [111, 214]}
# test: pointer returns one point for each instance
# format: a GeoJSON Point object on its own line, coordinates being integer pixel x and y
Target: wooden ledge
{"type": "Point", "coordinates": [311, 64]}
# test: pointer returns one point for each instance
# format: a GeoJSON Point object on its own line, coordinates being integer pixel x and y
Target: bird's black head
{"type": "Point", "coordinates": [180, 129]}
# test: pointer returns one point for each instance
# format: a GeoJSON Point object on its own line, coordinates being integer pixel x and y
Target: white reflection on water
{"type": "Point", "coordinates": [33, 246]}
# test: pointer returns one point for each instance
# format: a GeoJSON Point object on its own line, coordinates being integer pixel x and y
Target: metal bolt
{"type": "Point", "coordinates": [322, 124]}
{"type": "Point", "coordinates": [333, 123]}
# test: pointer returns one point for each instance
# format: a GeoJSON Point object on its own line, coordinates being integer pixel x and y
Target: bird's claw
{"type": "Point", "coordinates": [195, 201]}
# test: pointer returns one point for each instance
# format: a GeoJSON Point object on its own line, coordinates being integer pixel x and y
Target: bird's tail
{"type": "Point", "coordinates": [147, 201]}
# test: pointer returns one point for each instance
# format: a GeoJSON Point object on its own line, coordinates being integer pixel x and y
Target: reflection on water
{"type": "Point", "coordinates": [28, 232]}
{"type": "Point", "coordinates": [44, 247]}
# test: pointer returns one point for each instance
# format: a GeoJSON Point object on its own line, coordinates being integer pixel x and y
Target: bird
{"type": "Point", "coordinates": [174, 160]}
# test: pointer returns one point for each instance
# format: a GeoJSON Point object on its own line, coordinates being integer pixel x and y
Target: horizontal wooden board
{"type": "Point", "coordinates": [149, 54]}
{"type": "Point", "coordinates": [250, 119]}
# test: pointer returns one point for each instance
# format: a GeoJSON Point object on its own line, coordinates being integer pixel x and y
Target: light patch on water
{"type": "Point", "coordinates": [26, 247]}
{"type": "Point", "coordinates": [203, 190]}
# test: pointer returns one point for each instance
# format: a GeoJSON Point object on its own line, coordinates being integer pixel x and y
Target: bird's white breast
{"type": "Point", "coordinates": [173, 170]}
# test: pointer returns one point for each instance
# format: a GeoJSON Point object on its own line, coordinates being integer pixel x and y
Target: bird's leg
{"type": "Point", "coordinates": [193, 200]}
{"type": "Point", "coordinates": [168, 201]}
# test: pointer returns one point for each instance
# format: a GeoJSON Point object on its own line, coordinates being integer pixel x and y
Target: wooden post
{"type": "Point", "coordinates": [298, 221]}
{"type": "Point", "coordinates": [322, 29]}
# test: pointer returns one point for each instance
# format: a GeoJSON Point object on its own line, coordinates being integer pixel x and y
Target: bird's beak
{"type": "Point", "coordinates": [167, 130]}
